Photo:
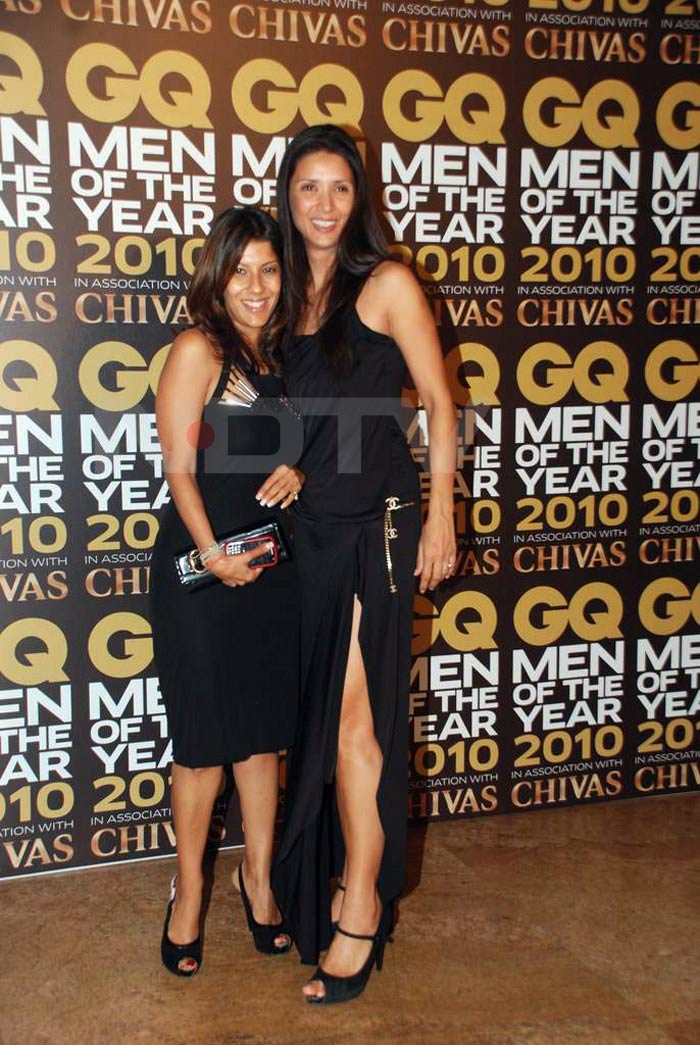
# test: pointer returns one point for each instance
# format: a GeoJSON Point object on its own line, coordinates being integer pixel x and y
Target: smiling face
{"type": "Point", "coordinates": [253, 289]}
{"type": "Point", "coordinates": [321, 199]}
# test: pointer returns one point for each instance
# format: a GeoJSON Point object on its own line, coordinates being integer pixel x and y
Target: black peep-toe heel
{"type": "Point", "coordinates": [345, 988]}
{"type": "Point", "coordinates": [264, 936]}
{"type": "Point", "coordinates": [172, 954]}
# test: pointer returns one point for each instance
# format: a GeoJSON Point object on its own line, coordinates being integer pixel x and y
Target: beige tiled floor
{"type": "Point", "coordinates": [571, 927]}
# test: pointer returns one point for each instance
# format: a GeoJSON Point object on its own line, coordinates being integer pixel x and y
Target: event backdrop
{"type": "Point", "coordinates": [537, 163]}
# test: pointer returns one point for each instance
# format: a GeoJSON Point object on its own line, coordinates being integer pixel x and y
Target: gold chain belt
{"type": "Point", "coordinates": [391, 533]}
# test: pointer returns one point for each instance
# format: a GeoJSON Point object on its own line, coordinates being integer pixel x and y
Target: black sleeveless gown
{"type": "Point", "coordinates": [347, 543]}
{"type": "Point", "coordinates": [227, 657]}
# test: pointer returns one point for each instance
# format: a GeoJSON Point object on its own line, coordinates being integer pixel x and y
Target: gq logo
{"type": "Point", "coordinates": [594, 612]}
{"type": "Point", "coordinates": [132, 375]}
{"type": "Point", "coordinates": [33, 651]}
{"type": "Point", "coordinates": [28, 377]}
{"type": "Point", "coordinates": [266, 97]}
{"type": "Point", "coordinates": [121, 89]}
{"type": "Point", "coordinates": [678, 115]}
{"type": "Point", "coordinates": [599, 373]}
{"type": "Point", "coordinates": [667, 604]}
{"type": "Point", "coordinates": [467, 622]}
{"type": "Point", "coordinates": [672, 371]}
{"type": "Point", "coordinates": [554, 112]}
{"type": "Point", "coordinates": [429, 107]}
{"type": "Point", "coordinates": [120, 645]}
{"type": "Point", "coordinates": [20, 91]}
{"type": "Point", "coordinates": [478, 366]}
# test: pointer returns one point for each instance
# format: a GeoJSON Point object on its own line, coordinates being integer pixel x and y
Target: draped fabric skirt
{"type": "Point", "coordinates": [338, 561]}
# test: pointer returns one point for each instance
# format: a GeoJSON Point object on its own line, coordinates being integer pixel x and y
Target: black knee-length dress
{"type": "Point", "coordinates": [356, 527]}
{"type": "Point", "coordinates": [227, 658]}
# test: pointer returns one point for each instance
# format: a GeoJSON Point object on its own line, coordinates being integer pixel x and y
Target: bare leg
{"type": "Point", "coordinates": [358, 771]}
{"type": "Point", "coordinates": [257, 780]}
{"type": "Point", "coordinates": [337, 901]}
{"type": "Point", "coordinates": [193, 794]}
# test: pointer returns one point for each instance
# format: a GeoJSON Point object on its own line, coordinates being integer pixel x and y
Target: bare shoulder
{"type": "Point", "coordinates": [391, 288]}
{"type": "Point", "coordinates": [192, 346]}
{"type": "Point", "coordinates": [191, 367]}
{"type": "Point", "coordinates": [391, 277]}
{"type": "Point", "coordinates": [397, 289]}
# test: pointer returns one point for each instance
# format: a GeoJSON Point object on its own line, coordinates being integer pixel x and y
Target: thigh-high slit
{"type": "Point", "coordinates": [337, 562]}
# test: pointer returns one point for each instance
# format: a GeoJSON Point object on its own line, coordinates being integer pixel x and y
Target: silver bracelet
{"type": "Point", "coordinates": [209, 553]}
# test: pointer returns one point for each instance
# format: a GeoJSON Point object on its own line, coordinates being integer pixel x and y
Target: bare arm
{"type": "Point", "coordinates": [393, 302]}
{"type": "Point", "coordinates": [186, 382]}
{"type": "Point", "coordinates": [182, 393]}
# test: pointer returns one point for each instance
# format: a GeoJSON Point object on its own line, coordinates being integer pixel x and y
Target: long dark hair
{"type": "Point", "coordinates": [223, 248]}
{"type": "Point", "coordinates": [362, 244]}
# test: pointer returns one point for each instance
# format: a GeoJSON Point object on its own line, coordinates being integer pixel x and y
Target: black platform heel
{"type": "Point", "coordinates": [172, 954]}
{"type": "Point", "coordinates": [345, 988]}
{"type": "Point", "coordinates": [264, 936]}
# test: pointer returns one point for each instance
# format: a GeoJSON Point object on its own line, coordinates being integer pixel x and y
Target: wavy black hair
{"type": "Point", "coordinates": [230, 234]}
{"type": "Point", "coordinates": [362, 244]}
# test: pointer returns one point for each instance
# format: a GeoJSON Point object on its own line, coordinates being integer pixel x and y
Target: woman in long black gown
{"type": "Point", "coordinates": [227, 654]}
{"type": "Point", "coordinates": [355, 319]}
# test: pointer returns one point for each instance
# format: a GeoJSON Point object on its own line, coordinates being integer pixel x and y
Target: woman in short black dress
{"type": "Point", "coordinates": [227, 654]}
{"type": "Point", "coordinates": [357, 321]}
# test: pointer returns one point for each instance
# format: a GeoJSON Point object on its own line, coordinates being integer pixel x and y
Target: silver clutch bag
{"type": "Point", "coordinates": [193, 573]}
